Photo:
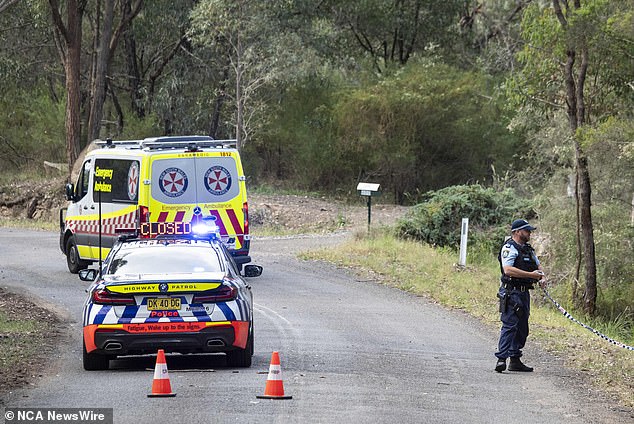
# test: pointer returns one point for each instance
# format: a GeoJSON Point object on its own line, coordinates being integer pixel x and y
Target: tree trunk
{"type": "Point", "coordinates": [117, 107]}
{"type": "Point", "coordinates": [219, 103]}
{"type": "Point", "coordinates": [239, 92]}
{"type": "Point", "coordinates": [98, 88]}
{"type": "Point", "coordinates": [70, 52]}
{"type": "Point", "coordinates": [575, 77]}
{"type": "Point", "coordinates": [134, 75]}
{"type": "Point", "coordinates": [587, 232]}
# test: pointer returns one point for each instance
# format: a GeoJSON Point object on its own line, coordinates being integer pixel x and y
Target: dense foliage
{"type": "Point", "coordinates": [425, 127]}
{"type": "Point", "coordinates": [416, 95]}
{"type": "Point", "coordinates": [437, 219]}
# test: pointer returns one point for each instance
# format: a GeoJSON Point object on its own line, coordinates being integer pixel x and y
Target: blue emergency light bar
{"type": "Point", "coordinates": [207, 228]}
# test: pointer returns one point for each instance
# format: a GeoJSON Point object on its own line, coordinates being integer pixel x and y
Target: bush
{"type": "Point", "coordinates": [437, 219]}
{"type": "Point", "coordinates": [31, 130]}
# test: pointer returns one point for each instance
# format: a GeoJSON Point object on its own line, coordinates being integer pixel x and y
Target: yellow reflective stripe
{"type": "Point", "coordinates": [104, 252]}
{"type": "Point", "coordinates": [111, 326]}
{"type": "Point", "coordinates": [84, 251]}
{"type": "Point", "coordinates": [154, 287]}
{"type": "Point", "coordinates": [217, 323]}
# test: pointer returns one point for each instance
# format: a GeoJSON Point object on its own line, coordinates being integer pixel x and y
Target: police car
{"type": "Point", "coordinates": [180, 293]}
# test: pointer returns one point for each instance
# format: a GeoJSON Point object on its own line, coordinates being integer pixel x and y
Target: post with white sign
{"type": "Point", "coordinates": [369, 190]}
{"type": "Point", "coordinates": [464, 232]}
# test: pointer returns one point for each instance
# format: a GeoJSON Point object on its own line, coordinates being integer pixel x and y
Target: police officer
{"type": "Point", "coordinates": [520, 271]}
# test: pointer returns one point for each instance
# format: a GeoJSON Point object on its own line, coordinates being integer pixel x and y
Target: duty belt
{"type": "Point", "coordinates": [520, 287]}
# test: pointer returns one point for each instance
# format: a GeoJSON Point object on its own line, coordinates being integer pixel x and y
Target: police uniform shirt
{"type": "Point", "coordinates": [509, 254]}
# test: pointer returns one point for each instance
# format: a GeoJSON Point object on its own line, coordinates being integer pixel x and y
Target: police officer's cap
{"type": "Point", "coordinates": [521, 224]}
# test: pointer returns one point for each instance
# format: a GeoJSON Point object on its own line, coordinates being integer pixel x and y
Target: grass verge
{"type": "Point", "coordinates": [29, 224]}
{"type": "Point", "coordinates": [432, 272]}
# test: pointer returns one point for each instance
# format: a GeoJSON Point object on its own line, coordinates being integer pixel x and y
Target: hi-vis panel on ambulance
{"type": "Point", "coordinates": [158, 186]}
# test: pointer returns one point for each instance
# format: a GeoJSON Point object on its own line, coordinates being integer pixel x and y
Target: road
{"type": "Point", "coordinates": [351, 351]}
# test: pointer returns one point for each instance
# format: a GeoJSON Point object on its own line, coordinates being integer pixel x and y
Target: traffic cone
{"type": "Point", "coordinates": [274, 385]}
{"type": "Point", "coordinates": [161, 386]}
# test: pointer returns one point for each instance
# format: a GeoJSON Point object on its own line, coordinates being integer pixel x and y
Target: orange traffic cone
{"type": "Point", "coordinates": [161, 386]}
{"type": "Point", "coordinates": [274, 385]}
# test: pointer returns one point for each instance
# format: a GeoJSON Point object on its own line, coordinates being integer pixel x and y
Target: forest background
{"type": "Point", "coordinates": [532, 100]}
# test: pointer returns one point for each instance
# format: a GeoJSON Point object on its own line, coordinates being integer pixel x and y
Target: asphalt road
{"type": "Point", "coordinates": [351, 351]}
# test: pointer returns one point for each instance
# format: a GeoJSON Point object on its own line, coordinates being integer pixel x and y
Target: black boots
{"type": "Point", "coordinates": [500, 365]}
{"type": "Point", "coordinates": [517, 365]}
{"type": "Point", "coordinates": [514, 365]}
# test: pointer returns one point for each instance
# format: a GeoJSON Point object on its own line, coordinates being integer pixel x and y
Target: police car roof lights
{"type": "Point", "coordinates": [206, 227]}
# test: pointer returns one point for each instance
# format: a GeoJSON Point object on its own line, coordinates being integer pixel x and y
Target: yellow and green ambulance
{"type": "Point", "coordinates": [154, 186]}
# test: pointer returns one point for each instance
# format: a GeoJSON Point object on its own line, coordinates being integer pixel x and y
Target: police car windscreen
{"type": "Point", "coordinates": [178, 260]}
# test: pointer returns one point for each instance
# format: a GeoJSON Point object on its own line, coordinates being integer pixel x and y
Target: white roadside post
{"type": "Point", "coordinates": [464, 232]}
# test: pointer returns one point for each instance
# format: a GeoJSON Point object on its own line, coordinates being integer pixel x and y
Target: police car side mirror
{"type": "Point", "coordinates": [88, 274]}
{"type": "Point", "coordinates": [70, 192]}
{"type": "Point", "coordinates": [252, 270]}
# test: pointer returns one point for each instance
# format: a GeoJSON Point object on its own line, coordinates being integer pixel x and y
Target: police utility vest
{"type": "Point", "coordinates": [525, 261]}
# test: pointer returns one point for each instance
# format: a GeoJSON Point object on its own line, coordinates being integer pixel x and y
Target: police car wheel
{"type": "Point", "coordinates": [75, 263]}
{"type": "Point", "coordinates": [241, 357]}
{"type": "Point", "coordinates": [95, 361]}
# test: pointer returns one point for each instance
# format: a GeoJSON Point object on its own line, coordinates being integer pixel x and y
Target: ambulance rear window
{"type": "Point", "coordinates": [116, 180]}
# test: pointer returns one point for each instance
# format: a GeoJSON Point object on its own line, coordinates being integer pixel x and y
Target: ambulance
{"type": "Point", "coordinates": [159, 185]}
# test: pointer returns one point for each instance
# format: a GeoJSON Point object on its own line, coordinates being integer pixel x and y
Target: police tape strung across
{"type": "Point", "coordinates": [571, 318]}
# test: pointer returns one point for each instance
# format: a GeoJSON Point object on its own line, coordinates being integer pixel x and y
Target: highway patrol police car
{"type": "Point", "coordinates": [173, 292]}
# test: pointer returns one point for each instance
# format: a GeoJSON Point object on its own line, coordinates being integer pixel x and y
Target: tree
{"type": "Point", "coordinates": [568, 60]}
{"type": "Point", "coordinates": [391, 32]}
{"type": "Point", "coordinates": [249, 37]}
{"type": "Point", "coordinates": [100, 69]}
{"type": "Point", "coordinates": [575, 73]}
{"type": "Point", "coordinates": [427, 127]}
{"type": "Point", "coordinates": [68, 38]}
{"type": "Point", "coordinates": [491, 33]}
{"type": "Point", "coordinates": [107, 40]}
{"type": "Point", "coordinates": [5, 4]}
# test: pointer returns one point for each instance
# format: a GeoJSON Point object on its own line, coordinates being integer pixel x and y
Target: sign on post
{"type": "Point", "coordinates": [368, 190]}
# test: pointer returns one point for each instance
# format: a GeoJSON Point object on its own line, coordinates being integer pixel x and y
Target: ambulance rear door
{"type": "Point", "coordinates": [185, 186]}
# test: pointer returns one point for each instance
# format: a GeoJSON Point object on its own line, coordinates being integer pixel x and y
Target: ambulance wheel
{"type": "Point", "coordinates": [95, 361]}
{"type": "Point", "coordinates": [75, 263]}
{"type": "Point", "coordinates": [241, 357]}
